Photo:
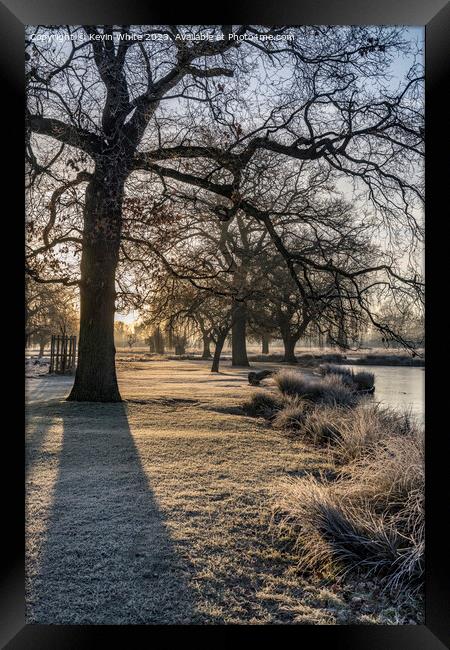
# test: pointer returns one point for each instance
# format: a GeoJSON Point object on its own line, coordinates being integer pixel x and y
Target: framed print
{"type": "Point", "coordinates": [227, 414]}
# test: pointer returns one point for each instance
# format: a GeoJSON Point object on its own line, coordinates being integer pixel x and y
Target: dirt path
{"type": "Point", "coordinates": [156, 510]}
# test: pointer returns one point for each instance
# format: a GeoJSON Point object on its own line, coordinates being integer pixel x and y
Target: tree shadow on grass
{"type": "Point", "coordinates": [108, 557]}
{"type": "Point", "coordinates": [37, 429]}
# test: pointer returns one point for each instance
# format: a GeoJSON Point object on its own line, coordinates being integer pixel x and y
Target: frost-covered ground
{"type": "Point", "coordinates": [156, 510]}
{"type": "Point", "coordinates": [36, 366]}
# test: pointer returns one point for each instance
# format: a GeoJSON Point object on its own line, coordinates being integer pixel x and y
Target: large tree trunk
{"type": "Point", "coordinates": [238, 341]}
{"type": "Point", "coordinates": [289, 348]}
{"type": "Point", "coordinates": [342, 336]}
{"type": "Point", "coordinates": [41, 347]}
{"type": "Point", "coordinates": [180, 347]}
{"type": "Point", "coordinates": [159, 341]}
{"type": "Point", "coordinates": [206, 347]}
{"type": "Point", "coordinates": [218, 351]}
{"type": "Point", "coordinates": [265, 344]}
{"type": "Point", "coordinates": [95, 378]}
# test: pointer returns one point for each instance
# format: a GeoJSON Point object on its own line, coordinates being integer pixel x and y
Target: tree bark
{"type": "Point", "coordinates": [342, 336]}
{"type": "Point", "coordinates": [180, 348]}
{"type": "Point", "coordinates": [206, 347]}
{"type": "Point", "coordinates": [265, 344]}
{"type": "Point", "coordinates": [95, 378]}
{"type": "Point", "coordinates": [218, 350]}
{"type": "Point", "coordinates": [41, 347]}
{"type": "Point", "coordinates": [238, 338]}
{"type": "Point", "coordinates": [289, 348]}
{"type": "Point", "coordinates": [159, 341]}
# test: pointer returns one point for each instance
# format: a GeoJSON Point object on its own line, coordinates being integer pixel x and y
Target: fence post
{"type": "Point", "coordinates": [62, 353]}
{"type": "Point", "coordinates": [58, 353]}
{"type": "Point", "coordinates": [74, 351]}
{"type": "Point", "coordinates": [52, 355]}
{"type": "Point", "coordinates": [69, 361]}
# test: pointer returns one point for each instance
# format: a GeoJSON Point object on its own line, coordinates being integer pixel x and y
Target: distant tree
{"type": "Point", "coordinates": [402, 318]}
{"type": "Point", "coordinates": [120, 333]}
{"type": "Point", "coordinates": [49, 310]}
{"type": "Point", "coordinates": [131, 339]}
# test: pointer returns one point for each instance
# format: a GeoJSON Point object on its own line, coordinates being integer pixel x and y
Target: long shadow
{"type": "Point", "coordinates": [36, 432]}
{"type": "Point", "coordinates": [108, 557]}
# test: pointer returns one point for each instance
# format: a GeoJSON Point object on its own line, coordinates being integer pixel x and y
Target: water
{"type": "Point", "coordinates": [400, 387]}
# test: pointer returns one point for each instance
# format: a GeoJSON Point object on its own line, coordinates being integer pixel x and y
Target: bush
{"type": "Point", "coordinates": [263, 403]}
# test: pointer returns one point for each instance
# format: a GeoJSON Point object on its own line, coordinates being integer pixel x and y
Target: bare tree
{"type": "Point", "coordinates": [49, 310]}
{"type": "Point", "coordinates": [215, 117]}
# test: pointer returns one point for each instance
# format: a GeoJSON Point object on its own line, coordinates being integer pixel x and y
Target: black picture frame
{"type": "Point", "coordinates": [435, 16]}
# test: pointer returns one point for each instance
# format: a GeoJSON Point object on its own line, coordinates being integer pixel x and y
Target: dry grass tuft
{"type": "Point", "coordinates": [364, 427]}
{"type": "Point", "coordinates": [263, 403]}
{"type": "Point", "coordinates": [317, 424]}
{"type": "Point", "coordinates": [344, 373]}
{"type": "Point", "coordinates": [362, 380]}
{"type": "Point", "coordinates": [323, 425]}
{"type": "Point", "coordinates": [336, 393]}
{"type": "Point", "coordinates": [352, 432]}
{"type": "Point", "coordinates": [292, 416]}
{"type": "Point", "coordinates": [371, 518]}
{"type": "Point", "coordinates": [327, 390]}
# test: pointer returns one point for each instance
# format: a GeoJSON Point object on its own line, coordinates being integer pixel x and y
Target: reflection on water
{"type": "Point", "coordinates": [400, 387]}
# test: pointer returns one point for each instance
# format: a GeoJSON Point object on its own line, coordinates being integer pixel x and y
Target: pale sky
{"type": "Point", "coordinates": [129, 319]}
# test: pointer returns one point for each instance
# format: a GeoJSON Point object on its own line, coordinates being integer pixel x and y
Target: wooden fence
{"type": "Point", "coordinates": [63, 354]}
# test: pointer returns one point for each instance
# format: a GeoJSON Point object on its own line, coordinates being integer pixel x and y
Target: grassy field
{"type": "Point", "coordinates": [157, 510]}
